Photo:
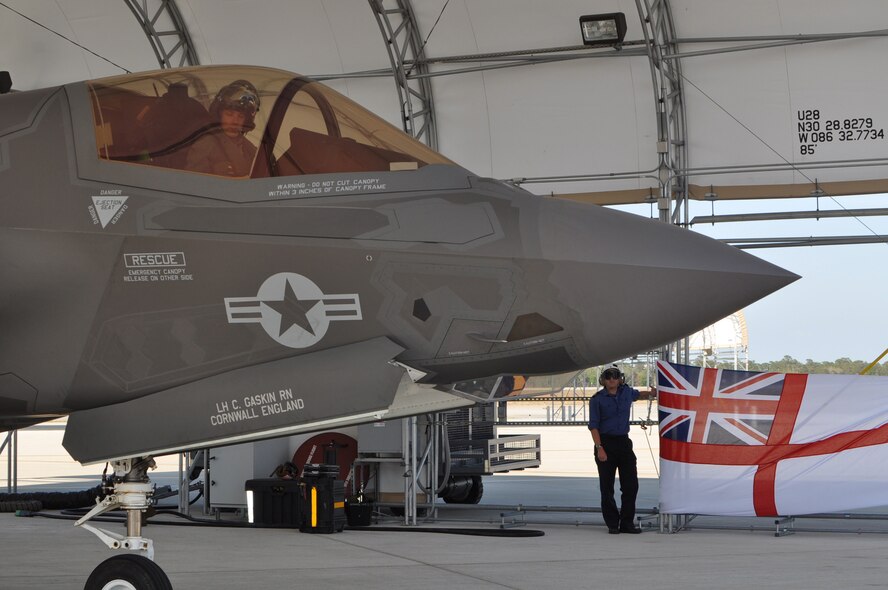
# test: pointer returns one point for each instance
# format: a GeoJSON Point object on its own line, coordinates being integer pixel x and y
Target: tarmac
{"type": "Point", "coordinates": [559, 499]}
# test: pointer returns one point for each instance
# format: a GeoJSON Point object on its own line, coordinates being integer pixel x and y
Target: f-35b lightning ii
{"type": "Point", "coordinates": [205, 256]}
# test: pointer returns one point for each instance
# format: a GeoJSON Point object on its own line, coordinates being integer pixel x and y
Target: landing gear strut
{"type": "Point", "coordinates": [129, 489]}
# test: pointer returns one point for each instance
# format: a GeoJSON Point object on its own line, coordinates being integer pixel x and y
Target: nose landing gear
{"type": "Point", "coordinates": [130, 489]}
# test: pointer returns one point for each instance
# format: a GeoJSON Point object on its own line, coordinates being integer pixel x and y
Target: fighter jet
{"type": "Point", "coordinates": [206, 256]}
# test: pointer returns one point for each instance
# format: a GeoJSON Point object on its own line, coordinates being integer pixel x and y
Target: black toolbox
{"type": "Point", "coordinates": [275, 502]}
{"type": "Point", "coordinates": [358, 513]}
{"type": "Point", "coordinates": [324, 499]}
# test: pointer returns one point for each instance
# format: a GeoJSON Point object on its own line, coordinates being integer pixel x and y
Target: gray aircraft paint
{"type": "Point", "coordinates": [87, 331]}
{"type": "Point", "coordinates": [281, 395]}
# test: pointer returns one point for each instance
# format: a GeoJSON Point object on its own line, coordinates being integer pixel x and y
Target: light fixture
{"type": "Point", "coordinates": [603, 29]}
{"type": "Point", "coordinates": [251, 514]}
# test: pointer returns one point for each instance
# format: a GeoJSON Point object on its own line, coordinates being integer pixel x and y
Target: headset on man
{"type": "Point", "coordinates": [611, 372]}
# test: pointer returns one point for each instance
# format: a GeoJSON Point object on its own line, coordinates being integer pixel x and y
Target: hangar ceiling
{"type": "Point", "coordinates": [709, 99]}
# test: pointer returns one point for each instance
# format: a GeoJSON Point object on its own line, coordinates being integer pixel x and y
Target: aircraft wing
{"type": "Point", "coordinates": [277, 398]}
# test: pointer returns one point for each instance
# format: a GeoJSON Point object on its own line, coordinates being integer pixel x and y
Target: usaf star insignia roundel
{"type": "Point", "coordinates": [292, 309]}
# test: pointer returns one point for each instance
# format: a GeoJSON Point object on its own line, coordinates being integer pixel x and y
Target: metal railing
{"type": "Point", "coordinates": [495, 455]}
{"type": "Point", "coordinates": [572, 411]}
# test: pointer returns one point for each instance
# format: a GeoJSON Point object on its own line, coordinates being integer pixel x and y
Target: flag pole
{"type": "Point", "coordinates": [873, 364]}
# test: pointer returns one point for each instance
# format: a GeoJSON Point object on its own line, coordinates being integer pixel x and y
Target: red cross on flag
{"type": "Point", "coordinates": [767, 444]}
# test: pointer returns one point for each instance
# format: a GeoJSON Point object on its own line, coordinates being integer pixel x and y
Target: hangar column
{"type": "Point", "coordinates": [672, 149]}
{"type": "Point", "coordinates": [406, 52]}
{"type": "Point", "coordinates": [163, 22]}
{"type": "Point", "coordinates": [11, 447]}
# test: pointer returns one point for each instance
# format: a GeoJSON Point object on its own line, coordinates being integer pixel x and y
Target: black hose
{"type": "Point", "coordinates": [36, 501]}
{"type": "Point", "coordinates": [453, 531]}
{"type": "Point", "coordinates": [51, 500]}
{"type": "Point", "coordinates": [77, 514]}
{"type": "Point", "coordinates": [192, 521]}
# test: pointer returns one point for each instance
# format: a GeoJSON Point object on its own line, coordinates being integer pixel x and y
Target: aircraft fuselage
{"type": "Point", "coordinates": [127, 276]}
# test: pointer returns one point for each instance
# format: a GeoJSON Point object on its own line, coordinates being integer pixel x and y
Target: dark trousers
{"type": "Point", "coordinates": [620, 457]}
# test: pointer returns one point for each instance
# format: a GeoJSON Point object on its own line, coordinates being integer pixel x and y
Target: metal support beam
{"type": "Point", "coordinates": [492, 61]}
{"type": "Point", "coordinates": [769, 42]}
{"type": "Point", "coordinates": [411, 477]}
{"type": "Point", "coordinates": [655, 17]}
{"type": "Point", "coordinates": [165, 29]}
{"type": "Point", "coordinates": [527, 57]}
{"type": "Point", "coordinates": [788, 215]}
{"type": "Point", "coordinates": [659, 34]}
{"type": "Point", "coordinates": [406, 53]}
{"type": "Point", "coordinates": [185, 463]}
{"type": "Point", "coordinates": [11, 447]}
{"type": "Point", "coordinates": [791, 242]}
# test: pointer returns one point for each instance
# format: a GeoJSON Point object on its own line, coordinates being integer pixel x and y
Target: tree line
{"type": "Point", "coordinates": [642, 374]}
{"type": "Point", "coordinates": [842, 366]}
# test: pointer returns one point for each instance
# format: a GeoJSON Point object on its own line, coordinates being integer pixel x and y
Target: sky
{"type": "Point", "coordinates": [839, 308]}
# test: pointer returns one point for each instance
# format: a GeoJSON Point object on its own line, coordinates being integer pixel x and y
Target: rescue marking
{"type": "Point", "coordinates": [154, 259]}
{"type": "Point", "coordinates": [152, 267]}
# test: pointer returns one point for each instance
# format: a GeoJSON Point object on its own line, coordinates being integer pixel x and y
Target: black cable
{"type": "Point", "coordinates": [196, 498]}
{"type": "Point", "coordinates": [51, 500]}
{"type": "Point", "coordinates": [36, 501]}
{"type": "Point", "coordinates": [419, 53]}
{"type": "Point", "coordinates": [201, 521]}
{"type": "Point", "coordinates": [192, 521]}
{"type": "Point", "coordinates": [6, 6]}
{"type": "Point", "coordinates": [453, 531]}
{"type": "Point", "coordinates": [77, 514]}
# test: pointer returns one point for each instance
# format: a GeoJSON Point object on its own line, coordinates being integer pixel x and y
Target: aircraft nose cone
{"type": "Point", "coordinates": [637, 284]}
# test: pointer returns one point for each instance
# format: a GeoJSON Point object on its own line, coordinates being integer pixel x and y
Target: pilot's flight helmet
{"type": "Point", "coordinates": [241, 96]}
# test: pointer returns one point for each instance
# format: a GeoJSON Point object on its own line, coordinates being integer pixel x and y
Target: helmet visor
{"type": "Point", "coordinates": [238, 97]}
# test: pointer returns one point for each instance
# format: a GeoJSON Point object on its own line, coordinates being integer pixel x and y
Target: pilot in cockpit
{"type": "Point", "coordinates": [225, 151]}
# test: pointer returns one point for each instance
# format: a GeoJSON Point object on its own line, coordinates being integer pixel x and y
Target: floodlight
{"type": "Point", "coordinates": [603, 29]}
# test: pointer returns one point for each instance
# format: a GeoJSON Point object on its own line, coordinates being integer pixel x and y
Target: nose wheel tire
{"type": "Point", "coordinates": [128, 572]}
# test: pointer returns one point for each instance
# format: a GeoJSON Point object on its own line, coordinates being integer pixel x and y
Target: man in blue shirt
{"type": "Point", "coordinates": [609, 412]}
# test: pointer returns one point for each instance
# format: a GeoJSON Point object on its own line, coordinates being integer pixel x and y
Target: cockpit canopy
{"type": "Point", "coordinates": [294, 126]}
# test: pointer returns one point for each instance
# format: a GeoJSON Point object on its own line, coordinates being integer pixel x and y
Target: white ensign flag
{"type": "Point", "coordinates": [742, 443]}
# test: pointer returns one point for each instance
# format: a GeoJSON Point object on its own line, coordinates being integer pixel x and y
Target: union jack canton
{"type": "Point", "coordinates": [717, 406]}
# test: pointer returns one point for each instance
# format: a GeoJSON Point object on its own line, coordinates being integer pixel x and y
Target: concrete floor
{"type": "Point", "coordinates": [575, 552]}
{"type": "Point", "coordinates": [40, 553]}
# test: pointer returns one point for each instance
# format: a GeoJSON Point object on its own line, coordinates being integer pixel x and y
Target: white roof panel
{"type": "Point", "coordinates": [580, 117]}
